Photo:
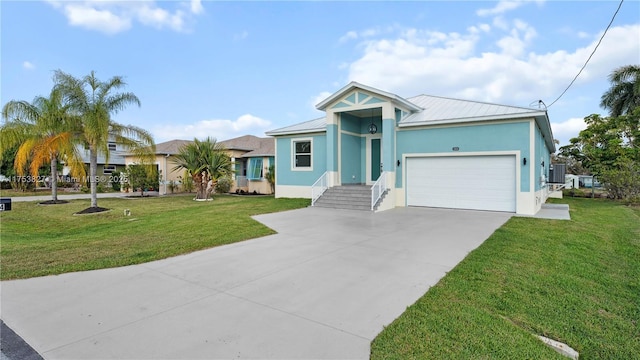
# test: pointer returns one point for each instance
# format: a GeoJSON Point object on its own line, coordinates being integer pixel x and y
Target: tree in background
{"type": "Point", "coordinates": [142, 177]}
{"type": "Point", "coordinates": [271, 177]}
{"type": "Point", "coordinates": [610, 146]}
{"type": "Point", "coordinates": [95, 101]}
{"type": "Point", "coordinates": [610, 149]}
{"type": "Point", "coordinates": [623, 97]}
{"type": "Point", "coordinates": [46, 132]}
{"type": "Point", "coordinates": [205, 162]}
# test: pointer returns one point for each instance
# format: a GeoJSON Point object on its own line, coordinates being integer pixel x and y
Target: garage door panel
{"type": "Point", "coordinates": [465, 182]}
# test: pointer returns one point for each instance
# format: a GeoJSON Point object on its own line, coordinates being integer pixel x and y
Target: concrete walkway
{"type": "Point", "coordinates": [322, 288]}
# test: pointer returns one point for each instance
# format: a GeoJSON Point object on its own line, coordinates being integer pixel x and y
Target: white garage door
{"type": "Point", "coordinates": [462, 182]}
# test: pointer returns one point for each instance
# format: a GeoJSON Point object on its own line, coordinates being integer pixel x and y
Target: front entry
{"type": "Point", "coordinates": [374, 166]}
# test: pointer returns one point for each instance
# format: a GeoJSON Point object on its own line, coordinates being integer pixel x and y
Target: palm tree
{"type": "Point", "coordinates": [95, 102]}
{"type": "Point", "coordinates": [205, 161]}
{"type": "Point", "coordinates": [45, 132]}
{"type": "Point", "coordinates": [624, 94]}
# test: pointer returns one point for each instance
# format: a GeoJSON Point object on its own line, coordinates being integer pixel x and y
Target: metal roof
{"type": "Point", "coordinates": [442, 110]}
{"type": "Point", "coordinates": [435, 110]}
{"type": "Point", "coordinates": [311, 126]}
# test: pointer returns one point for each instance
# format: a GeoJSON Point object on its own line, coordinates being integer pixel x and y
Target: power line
{"type": "Point", "coordinates": [593, 52]}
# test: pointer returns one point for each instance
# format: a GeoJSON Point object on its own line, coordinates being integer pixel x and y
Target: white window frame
{"type": "Point", "coordinates": [293, 154]}
{"type": "Point", "coordinates": [109, 169]}
{"type": "Point", "coordinates": [112, 144]}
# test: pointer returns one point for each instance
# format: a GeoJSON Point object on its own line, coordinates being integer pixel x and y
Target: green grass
{"type": "Point", "coordinates": [576, 281]}
{"type": "Point", "coordinates": [38, 240]}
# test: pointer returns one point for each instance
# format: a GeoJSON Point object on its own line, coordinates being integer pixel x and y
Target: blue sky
{"type": "Point", "coordinates": [226, 69]}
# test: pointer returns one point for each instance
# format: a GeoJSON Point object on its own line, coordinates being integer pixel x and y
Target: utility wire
{"type": "Point", "coordinates": [594, 51]}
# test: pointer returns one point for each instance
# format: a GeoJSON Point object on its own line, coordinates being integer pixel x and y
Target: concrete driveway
{"type": "Point", "coordinates": [322, 288]}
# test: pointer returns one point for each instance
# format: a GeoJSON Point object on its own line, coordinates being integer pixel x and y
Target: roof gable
{"type": "Point", "coordinates": [358, 94]}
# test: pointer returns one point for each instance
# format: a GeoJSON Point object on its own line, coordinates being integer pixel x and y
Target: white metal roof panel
{"type": "Point", "coordinates": [441, 110]}
{"type": "Point", "coordinates": [315, 125]}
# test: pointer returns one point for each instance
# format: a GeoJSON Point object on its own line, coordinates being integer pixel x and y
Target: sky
{"type": "Point", "coordinates": [231, 68]}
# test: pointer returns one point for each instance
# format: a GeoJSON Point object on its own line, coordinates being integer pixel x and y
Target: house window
{"type": "Point", "coordinates": [255, 169]}
{"type": "Point", "coordinates": [302, 154]}
{"type": "Point", "coordinates": [112, 146]}
{"type": "Point", "coordinates": [108, 169]}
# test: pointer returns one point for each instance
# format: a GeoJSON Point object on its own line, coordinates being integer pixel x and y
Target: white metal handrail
{"type": "Point", "coordinates": [378, 188]}
{"type": "Point", "coordinates": [557, 187]}
{"type": "Point", "coordinates": [319, 187]}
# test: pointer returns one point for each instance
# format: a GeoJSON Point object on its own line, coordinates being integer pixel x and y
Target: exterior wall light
{"type": "Point", "coordinates": [524, 161]}
{"type": "Point", "coordinates": [372, 128]}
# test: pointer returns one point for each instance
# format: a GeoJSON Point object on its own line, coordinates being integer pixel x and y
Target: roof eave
{"type": "Point", "coordinates": [547, 132]}
{"type": "Point", "coordinates": [257, 155]}
{"type": "Point", "coordinates": [472, 119]}
{"type": "Point", "coordinates": [309, 131]}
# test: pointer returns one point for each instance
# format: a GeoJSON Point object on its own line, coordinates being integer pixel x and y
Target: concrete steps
{"type": "Point", "coordinates": [350, 197]}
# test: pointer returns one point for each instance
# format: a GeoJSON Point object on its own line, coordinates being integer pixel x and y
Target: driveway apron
{"type": "Point", "coordinates": [322, 288]}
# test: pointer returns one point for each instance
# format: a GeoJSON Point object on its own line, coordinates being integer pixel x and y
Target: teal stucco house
{"type": "Point", "coordinates": [419, 151]}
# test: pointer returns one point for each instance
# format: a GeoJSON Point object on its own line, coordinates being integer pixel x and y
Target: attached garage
{"type": "Point", "coordinates": [462, 182]}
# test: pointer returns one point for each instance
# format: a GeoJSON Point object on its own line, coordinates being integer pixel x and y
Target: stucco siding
{"type": "Point", "coordinates": [284, 173]}
{"type": "Point", "coordinates": [477, 138]}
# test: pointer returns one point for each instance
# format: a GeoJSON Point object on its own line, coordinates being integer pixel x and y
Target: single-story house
{"type": "Point", "coordinates": [420, 151]}
{"type": "Point", "coordinates": [250, 156]}
{"type": "Point", "coordinates": [164, 159]}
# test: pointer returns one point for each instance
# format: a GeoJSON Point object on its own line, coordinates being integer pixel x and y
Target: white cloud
{"type": "Point", "coordinates": [28, 65]}
{"type": "Point", "coordinates": [351, 35]}
{"type": "Point", "coordinates": [196, 6]}
{"type": "Point", "coordinates": [112, 17]}
{"type": "Point", "coordinates": [504, 6]}
{"type": "Point", "coordinates": [221, 129]}
{"type": "Point", "coordinates": [366, 33]}
{"type": "Point", "coordinates": [563, 131]}
{"type": "Point", "coordinates": [86, 16]}
{"type": "Point", "coordinates": [318, 98]}
{"type": "Point", "coordinates": [449, 64]}
{"type": "Point", "coordinates": [518, 39]}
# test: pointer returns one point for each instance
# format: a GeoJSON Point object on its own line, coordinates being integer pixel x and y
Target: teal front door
{"type": "Point", "coordinates": [375, 160]}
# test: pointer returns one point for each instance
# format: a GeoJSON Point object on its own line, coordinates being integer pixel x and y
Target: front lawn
{"type": "Point", "coordinates": [576, 281]}
{"type": "Point", "coordinates": [37, 240]}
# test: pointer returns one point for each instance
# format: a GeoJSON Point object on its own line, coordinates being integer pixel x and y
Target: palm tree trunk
{"type": "Point", "coordinates": [54, 178]}
{"type": "Point", "coordinates": [93, 176]}
{"type": "Point", "coordinates": [197, 179]}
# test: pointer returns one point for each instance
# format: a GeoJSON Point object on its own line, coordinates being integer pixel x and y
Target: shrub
{"type": "Point", "coordinates": [115, 185]}
{"type": "Point", "coordinates": [223, 185]}
{"type": "Point", "coordinates": [173, 186]}
{"type": "Point", "coordinates": [622, 181]}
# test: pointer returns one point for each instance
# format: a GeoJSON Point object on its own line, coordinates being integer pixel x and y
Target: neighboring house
{"type": "Point", "coordinates": [429, 151]}
{"type": "Point", "coordinates": [164, 159]}
{"type": "Point", "coordinates": [115, 163]}
{"type": "Point", "coordinates": [250, 157]}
